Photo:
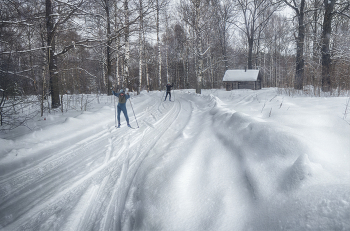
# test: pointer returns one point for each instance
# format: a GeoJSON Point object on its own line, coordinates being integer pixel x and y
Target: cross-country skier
{"type": "Point", "coordinates": [168, 91]}
{"type": "Point", "coordinates": [122, 105]}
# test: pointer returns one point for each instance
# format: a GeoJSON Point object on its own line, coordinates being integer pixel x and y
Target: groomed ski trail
{"type": "Point", "coordinates": [193, 164]}
{"type": "Point", "coordinates": [103, 164]}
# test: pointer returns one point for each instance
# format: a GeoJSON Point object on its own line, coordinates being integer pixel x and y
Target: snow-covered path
{"type": "Point", "coordinates": [194, 164]}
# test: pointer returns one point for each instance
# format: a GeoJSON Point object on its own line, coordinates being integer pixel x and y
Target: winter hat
{"type": "Point", "coordinates": [121, 91]}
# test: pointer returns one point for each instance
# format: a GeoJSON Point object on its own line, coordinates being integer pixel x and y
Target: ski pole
{"type": "Point", "coordinates": [174, 94]}
{"type": "Point", "coordinates": [134, 113]}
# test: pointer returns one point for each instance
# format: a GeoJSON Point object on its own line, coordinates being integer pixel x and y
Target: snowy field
{"type": "Point", "coordinates": [238, 160]}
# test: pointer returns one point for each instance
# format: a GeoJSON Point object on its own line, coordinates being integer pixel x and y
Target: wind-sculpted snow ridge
{"type": "Point", "coordinates": [262, 147]}
{"type": "Point", "coordinates": [196, 163]}
{"type": "Point", "coordinates": [280, 175]}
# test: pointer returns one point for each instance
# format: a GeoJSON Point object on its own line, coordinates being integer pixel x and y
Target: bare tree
{"type": "Point", "coordinates": [256, 15]}
{"type": "Point", "coordinates": [192, 15]}
{"type": "Point", "coordinates": [53, 21]}
{"type": "Point", "coordinates": [158, 7]}
{"type": "Point", "coordinates": [223, 17]}
{"type": "Point", "coordinates": [331, 8]}
{"type": "Point", "coordinates": [141, 46]}
{"type": "Point", "coordinates": [299, 9]}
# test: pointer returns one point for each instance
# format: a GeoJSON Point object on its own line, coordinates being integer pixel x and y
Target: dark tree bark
{"type": "Point", "coordinates": [325, 51]}
{"type": "Point", "coordinates": [299, 62]}
{"type": "Point", "coordinates": [250, 50]}
{"type": "Point", "coordinates": [299, 72]}
{"type": "Point", "coordinates": [54, 86]}
{"type": "Point", "coordinates": [51, 29]}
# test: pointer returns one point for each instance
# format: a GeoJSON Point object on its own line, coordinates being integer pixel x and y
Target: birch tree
{"type": "Point", "coordinates": [158, 46]}
{"type": "Point", "coordinates": [191, 14]}
{"type": "Point", "coordinates": [198, 39]}
{"type": "Point", "coordinates": [126, 42]}
{"type": "Point", "coordinates": [141, 46]}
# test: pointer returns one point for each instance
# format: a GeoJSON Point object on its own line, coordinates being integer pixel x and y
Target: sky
{"type": "Point", "coordinates": [222, 160]}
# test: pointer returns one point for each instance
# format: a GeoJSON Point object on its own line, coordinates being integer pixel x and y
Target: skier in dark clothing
{"type": "Point", "coordinates": [122, 105]}
{"type": "Point", "coordinates": [168, 91]}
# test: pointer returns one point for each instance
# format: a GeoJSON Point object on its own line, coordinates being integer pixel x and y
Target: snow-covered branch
{"type": "Point", "coordinates": [205, 51]}
{"type": "Point", "coordinates": [82, 69]}
{"type": "Point", "coordinates": [74, 44]}
{"type": "Point", "coordinates": [76, 7]}
{"type": "Point", "coordinates": [19, 73]}
{"type": "Point", "coordinates": [23, 23]}
{"type": "Point", "coordinates": [25, 51]}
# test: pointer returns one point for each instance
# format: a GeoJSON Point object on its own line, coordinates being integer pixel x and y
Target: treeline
{"type": "Point", "coordinates": [49, 48]}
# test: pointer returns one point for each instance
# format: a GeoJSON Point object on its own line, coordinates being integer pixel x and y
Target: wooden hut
{"type": "Point", "coordinates": [242, 79]}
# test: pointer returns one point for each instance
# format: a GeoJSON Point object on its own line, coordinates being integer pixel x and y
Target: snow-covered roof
{"type": "Point", "coordinates": [241, 75]}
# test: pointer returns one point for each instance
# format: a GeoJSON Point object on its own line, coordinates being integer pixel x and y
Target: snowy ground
{"type": "Point", "coordinates": [239, 160]}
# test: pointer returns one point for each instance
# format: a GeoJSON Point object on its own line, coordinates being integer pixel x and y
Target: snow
{"type": "Point", "coordinates": [241, 75]}
{"type": "Point", "coordinates": [223, 160]}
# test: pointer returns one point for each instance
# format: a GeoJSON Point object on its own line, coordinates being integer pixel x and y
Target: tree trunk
{"type": "Point", "coordinates": [119, 83]}
{"type": "Point", "coordinates": [326, 34]}
{"type": "Point", "coordinates": [166, 50]}
{"type": "Point", "coordinates": [224, 50]}
{"type": "Point", "coordinates": [198, 45]}
{"type": "Point", "coordinates": [184, 73]}
{"type": "Point", "coordinates": [147, 78]}
{"type": "Point", "coordinates": [250, 51]}
{"type": "Point", "coordinates": [140, 50]}
{"type": "Point", "coordinates": [186, 83]}
{"type": "Point", "coordinates": [109, 43]}
{"type": "Point", "coordinates": [117, 44]}
{"type": "Point", "coordinates": [159, 53]}
{"type": "Point", "coordinates": [315, 44]}
{"type": "Point", "coordinates": [127, 44]}
{"type": "Point", "coordinates": [54, 86]}
{"type": "Point", "coordinates": [146, 61]}
{"type": "Point", "coordinates": [43, 91]}
{"type": "Point", "coordinates": [299, 72]}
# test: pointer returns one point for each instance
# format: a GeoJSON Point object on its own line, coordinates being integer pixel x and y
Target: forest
{"type": "Point", "coordinates": [51, 50]}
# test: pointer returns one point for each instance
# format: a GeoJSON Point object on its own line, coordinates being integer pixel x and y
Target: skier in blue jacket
{"type": "Point", "coordinates": [122, 105]}
{"type": "Point", "coordinates": [168, 91]}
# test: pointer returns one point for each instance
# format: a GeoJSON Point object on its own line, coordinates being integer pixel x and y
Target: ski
{"type": "Point", "coordinates": [129, 126]}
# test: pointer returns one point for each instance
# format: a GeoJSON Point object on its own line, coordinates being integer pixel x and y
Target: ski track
{"type": "Point", "coordinates": [180, 186]}
{"type": "Point", "coordinates": [100, 180]}
{"type": "Point", "coordinates": [102, 174]}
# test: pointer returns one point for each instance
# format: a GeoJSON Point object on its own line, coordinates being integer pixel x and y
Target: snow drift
{"type": "Point", "coordinates": [239, 160]}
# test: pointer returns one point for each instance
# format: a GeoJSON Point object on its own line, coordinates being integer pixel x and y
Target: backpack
{"type": "Point", "coordinates": [122, 98]}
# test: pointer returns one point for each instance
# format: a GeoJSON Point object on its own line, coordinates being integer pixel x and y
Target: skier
{"type": "Point", "coordinates": [168, 91]}
{"type": "Point", "coordinates": [122, 105]}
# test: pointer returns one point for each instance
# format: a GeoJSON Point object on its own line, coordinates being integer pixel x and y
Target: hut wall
{"type": "Point", "coordinates": [253, 85]}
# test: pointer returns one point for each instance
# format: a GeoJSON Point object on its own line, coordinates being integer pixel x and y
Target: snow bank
{"type": "Point", "coordinates": [238, 160]}
{"type": "Point", "coordinates": [290, 191]}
